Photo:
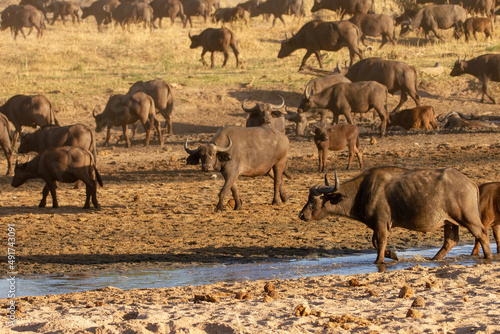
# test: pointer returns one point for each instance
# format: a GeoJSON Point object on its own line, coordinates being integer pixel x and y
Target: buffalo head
{"type": "Point", "coordinates": [458, 68]}
{"type": "Point", "coordinates": [196, 41]}
{"type": "Point", "coordinates": [317, 6]}
{"type": "Point", "coordinates": [19, 174]}
{"type": "Point", "coordinates": [264, 112]}
{"type": "Point", "coordinates": [405, 28]}
{"type": "Point", "coordinates": [287, 47]}
{"type": "Point", "coordinates": [209, 154]}
{"type": "Point", "coordinates": [300, 119]}
{"type": "Point", "coordinates": [319, 196]}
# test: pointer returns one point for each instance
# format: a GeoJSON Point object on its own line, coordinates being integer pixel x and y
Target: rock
{"type": "Point", "coordinates": [372, 293]}
{"type": "Point", "coordinates": [243, 295]}
{"type": "Point", "coordinates": [418, 302]}
{"type": "Point", "coordinates": [137, 198]}
{"type": "Point", "coordinates": [130, 315]}
{"type": "Point", "coordinates": [406, 292]}
{"type": "Point", "coordinates": [354, 282]}
{"type": "Point", "coordinates": [268, 299]}
{"type": "Point", "coordinates": [100, 303]}
{"type": "Point", "coordinates": [206, 298]}
{"type": "Point", "coordinates": [412, 313]}
{"type": "Point", "coordinates": [373, 141]}
{"type": "Point", "coordinates": [302, 310]}
{"type": "Point", "coordinates": [231, 203]}
{"type": "Point", "coordinates": [269, 287]}
{"type": "Point", "coordinates": [274, 294]}
{"type": "Point", "coordinates": [433, 284]}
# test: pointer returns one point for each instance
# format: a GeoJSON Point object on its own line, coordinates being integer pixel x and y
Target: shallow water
{"type": "Point", "coordinates": [199, 275]}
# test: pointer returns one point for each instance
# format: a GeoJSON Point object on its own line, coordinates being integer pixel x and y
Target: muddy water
{"type": "Point", "coordinates": [346, 265]}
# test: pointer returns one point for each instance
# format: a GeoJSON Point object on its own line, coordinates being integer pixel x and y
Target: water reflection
{"type": "Point", "coordinates": [345, 265]}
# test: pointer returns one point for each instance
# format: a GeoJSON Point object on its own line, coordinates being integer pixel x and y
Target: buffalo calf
{"type": "Point", "coordinates": [422, 117]}
{"type": "Point", "coordinates": [65, 164]}
{"type": "Point", "coordinates": [212, 40]}
{"type": "Point", "coordinates": [336, 138]}
{"type": "Point", "coordinates": [478, 24]}
{"type": "Point", "coordinates": [489, 204]}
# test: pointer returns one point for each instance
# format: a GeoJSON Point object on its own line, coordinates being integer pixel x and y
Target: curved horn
{"type": "Point", "coordinates": [444, 118]}
{"type": "Point", "coordinates": [189, 151]}
{"type": "Point", "coordinates": [471, 117]}
{"type": "Point", "coordinates": [327, 189]}
{"type": "Point", "coordinates": [247, 109]}
{"type": "Point", "coordinates": [275, 106]}
{"type": "Point", "coordinates": [93, 113]}
{"type": "Point", "coordinates": [224, 149]}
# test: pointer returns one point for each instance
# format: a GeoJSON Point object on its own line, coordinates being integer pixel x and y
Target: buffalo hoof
{"type": "Point", "coordinates": [41, 205]}
{"type": "Point", "coordinates": [55, 206]}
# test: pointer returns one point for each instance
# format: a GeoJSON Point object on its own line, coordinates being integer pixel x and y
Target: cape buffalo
{"type": "Point", "coordinates": [421, 200]}
{"type": "Point", "coordinates": [5, 142]}
{"type": "Point", "coordinates": [19, 17]}
{"type": "Point", "coordinates": [167, 8]}
{"type": "Point", "coordinates": [51, 136]}
{"type": "Point", "coordinates": [65, 164]}
{"type": "Point", "coordinates": [101, 10]}
{"type": "Point", "coordinates": [478, 24]}
{"type": "Point", "coordinates": [278, 8]}
{"type": "Point", "coordinates": [62, 9]}
{"type": "Point", "coordinates": [395, 75]}
{"type": "Point", "coordinates": [212, 40]}
{"type": "Point", "coordinates": [485, 68]}
{"type": "Point", "coordinates": [347, 98]}
{"type": "Point", "coordinates": [375, 25]}
{"type": "Point", "coordinates": [432, 18]}
{"type": "Point", "coordinates": [266, 113]}
{"type": "Point", "coordinates": [318, 35]}
{"type": "Point", "coordinates": [336, 138]}
{"type": "Point", "coordinates": [489, 204]}
{"type": "Point", "coordinates": [136, 12]}
{"type": "Point", "coordinates": [196, 8]}
{"type": "Point", "coordinates": [23, 110]}
{"type": "Point", "coordinates": [162, 95]}
{"type": "Point", "coordinates": [229, 15]}
{"type": "Point", "coordinates": [128, 109]}
{"type": "Point", "coordinates": [236, 151]}
{"type": "Point", "coordinates": [422, 117]}
{"type": "Point", "coordinates": [457, 120]}
{"type": "Point", "coordinates": [486, 7]}
{"type": "Point", "coordinates": [351, 7]}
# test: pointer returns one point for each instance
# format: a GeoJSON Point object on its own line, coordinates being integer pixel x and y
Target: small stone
{"type": "Point", "coordinates": [373, 141]}
{"type": "Point", "coordinates": [354, 282]}
{"type": "Point", "coordinates": [268, 299]}
{"type": "Point", "coordinates": [99, 303]}
{"type": "Point", "coordinates": [466, 299]}
{"type": "Point", "coordinates": [406, 292]}
{"type": "Point", "coordinates": [302, 310]}
{"type": "Point", "coordinates": [432, 284]}
{"type": "Point", "coordinates": [137, 198]}
{"type": "Point", "coordinates": [274, 294]}
{"type": "Point", "coordinates": [269, 287]}
{"type": "Point", "coordinates": [130, 315]}
{"type": "Point", "coordinates": [372, 293]}
{"type": "Point", "coordinates": [415, 314]}
{"type": "Point", "coordinates": [418, 302]}
{"type": "Point", "coordinates": [231, 203]}
{"type": "Point", "coordinates": [243, 295]}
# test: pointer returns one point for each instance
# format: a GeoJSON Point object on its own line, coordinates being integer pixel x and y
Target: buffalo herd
{"type": "Point", "coordinates": [382, 197]}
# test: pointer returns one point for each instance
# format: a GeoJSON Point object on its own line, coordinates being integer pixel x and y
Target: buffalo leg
{"type": "Point", "coordinates": [236, 196]}
{"type": "Point", "coordinates": [226, 57]}
{"type": "Point", "coordinates": [486, 81]}
{"type": "Point", "coordinates": [8, 155]}
{"type": "Point", "coordinates": [358, 153]}
{"type": "Point", "coordinates": [236, 54]}
{"type": "Point", "coordinates": [147, 127]}
{"type": "Point", "coordinates": [306, 56]}
{"type": "Point", "coordinates": [354, 51]}
{"type": "Point", "coordinates": [480, 232]}
{"type": "Point", "coordinates": [203, 57]}
{"type": "Point", "coordinates": [45, 193]}
{"type": "Point", "coordinates": [278, 178]}
{"type": "Point", "coordinates": [228, 184]}
{"type": "Point", "coordinates": [379, 241]}
{"type": "Point", "coordinates": [404, 98]}
{"type": "Point", "coordinates": [212, 60]}
{"type": "Point", "coordinates": [88, 191]}
{"type": "Point", "coordinates": [108, 135]}
{"type": "Point", "coordinates": [451, 238]}
{"type": "Point", "coordinates": [157, 126]}
{"type": "Point", "coordinates": [125, 135]}
{"type": "Point", "coordinates": [496, 234]}
{"type": "Point", "coordinates": [382, 113]}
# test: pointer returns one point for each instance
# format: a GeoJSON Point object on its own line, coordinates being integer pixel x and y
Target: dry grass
{"type": "Point", "coordinates": [78, 68]}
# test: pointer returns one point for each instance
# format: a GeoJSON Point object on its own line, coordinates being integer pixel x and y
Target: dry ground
{"type": "Point", "coordinates": [156, 210]}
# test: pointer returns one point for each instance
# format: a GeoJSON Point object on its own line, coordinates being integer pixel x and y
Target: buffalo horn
{"type": "Point", "coordinates": [189, 151]}
{"type": "Point", "coordinates": [224, 149]}
{"type": "Point", "coordinates": [275, 106]}
{"type": "Point", "coordinates": [327, 189]}
{"type": "Point", "coordinates": [471, 117]}
{"type": "Point", "coordinates": [444, 118]}
{"type": "Point", "coordinates": [247, 109]}
{"type": "Point", "coordinates": [93, 113]}
{"type": "Point", "coordinates": [286, 37]}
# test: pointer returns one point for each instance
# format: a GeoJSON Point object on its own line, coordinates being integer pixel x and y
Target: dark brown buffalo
{"type": "Point", "coordinates": [485, 68]}
{"type": "Point", "coordinates": [422, 200]}
{"type": "Point", "coordinates": [278, 8]}
{"type": "Point", "coordinates": [229, 15]}
{"type": "Point", "coordinates": [318, 35]}
{"type": "Point", "coordinates": [162, 94]}
{"type": "Point", "coordinates": [167, 8]}
{"type": "Point", "coordinates": [351, 7]}
{"type": "Point", "coordinates": [395, 75]}
{"type": "Point", "coordinates": [457, 120]}
{"type": "Point", "coordinates": [212, 40]}
{"type": "Point", "coordinates": [250, 5]}
{"type": "Point", "coordinates": [62, 9]}
{"type": "Point", "coordinates": [237, 151]}
{"type": "Point", "coordinates": [266, 113]}
{"type": "Point", "coordinates": [136, 12]}
{"type": "Point", "coordinates": [122, 110]}
{"type": "Point", "coordinates": [18, 17]}
{"type": "Point", "coordinates": [65, 164]}
{"type": "Point", "coordinates": [336, 138]}
{"type": "Point", "coordinates": [422, 117]}
{"type": "Point", "coordinates": [38, 4]}
{"type": "Point", "coordinates": [489, 204]}
{"type": "Point", "coordinates": [196, 8]}
{"type": "Point", "coordinates": [486, 7]}
{"type": "Point", "coordinates": [101, 10]}
{"type": "Point", "coordinates": [5, 142]}
{"type": "Point", "coordinates": [375, 25]}
{"type": "Point", "coordinates": [33, 111]}
{"type": "Point", "coordinates": [347, 98]}
{"type": "Point", "coordinates": [478, 24]}
{"type": "Point", "coordinates": [51, 136]}
{"type": "Point", "coordinates": [316, 85]}
{"type": "Point", "coordinates": [432, 18]}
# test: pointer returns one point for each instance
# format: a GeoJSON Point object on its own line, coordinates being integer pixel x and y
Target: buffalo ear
{"type": "Point", "coordinates": [193, 159]}
{"type": "Point", "coordinates": [223, 156]}
{"type": "Point", "coordinates": [335, 198]}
